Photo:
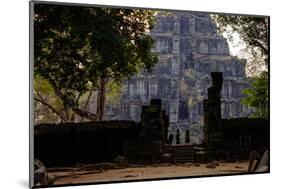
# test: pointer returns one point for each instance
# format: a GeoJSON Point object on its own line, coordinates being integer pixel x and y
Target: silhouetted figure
{"type": "Point", "coordinates": [187, 136]}
{"type": "Point", "coordinates": [171, 138]}
{"type": "Point", "coordinates": [178, 137]}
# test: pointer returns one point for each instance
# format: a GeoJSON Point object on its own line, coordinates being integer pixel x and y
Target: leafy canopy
{"type": "Point", "coordinates": [257, 95]}
{"type": "Point", "coordinates": [77, 46]}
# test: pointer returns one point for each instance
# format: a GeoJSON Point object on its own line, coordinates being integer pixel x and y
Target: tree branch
{"type": "Point", "coordinates": [258, 44]}
{"type": "Point", "coordinates": [51, 108]}
{"type": "Point", "coordinates": [74, 108]}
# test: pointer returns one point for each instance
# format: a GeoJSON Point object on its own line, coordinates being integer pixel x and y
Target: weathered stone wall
{"type": "Point", "coordinates": [244, 133]}
{"type": "Point", "coordinates": [189, 48]}
{"type": "Point", "coordinates": [67, 144]}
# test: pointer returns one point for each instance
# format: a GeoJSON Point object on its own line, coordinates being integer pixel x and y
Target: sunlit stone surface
{"type": "Point", "coordinates": [189, 48]}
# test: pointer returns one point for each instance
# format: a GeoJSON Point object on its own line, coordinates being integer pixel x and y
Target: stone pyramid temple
{"type": "Point", "coordinates": [189, 48]}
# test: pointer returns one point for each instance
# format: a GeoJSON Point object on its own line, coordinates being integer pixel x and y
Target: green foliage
{"type": "Point", "coordinates": [76, 47]}
{"type": "Point", "coordinates": [257, 95]}
{"type": "Point", "coordinates": [114, 92]}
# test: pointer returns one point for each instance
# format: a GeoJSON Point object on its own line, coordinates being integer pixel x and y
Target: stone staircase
{"type": "Point", "coordinates": [183, 154]}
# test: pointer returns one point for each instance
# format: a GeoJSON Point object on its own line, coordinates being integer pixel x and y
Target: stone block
{"type": "Point", "coordinates": [211, 165]}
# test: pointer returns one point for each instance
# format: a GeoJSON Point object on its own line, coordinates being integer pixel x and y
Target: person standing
{"type": "Point", "coordinates": [178, 137]}
{"type": "Point", "coordinates": [187, 136]}
{"type": "Point", "coordinates": [171, 138]}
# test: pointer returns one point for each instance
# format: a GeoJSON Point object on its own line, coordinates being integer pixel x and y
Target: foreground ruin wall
{"type": "Point", "coordinates": [68, 144]}
{"type": "Point", "coordinates": [245, 133]}
{"type": "Point", "coordinates": [189, 49]}
{"type": "Point", "coordinates": [231, 139]}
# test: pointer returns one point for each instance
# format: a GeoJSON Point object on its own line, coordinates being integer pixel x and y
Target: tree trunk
{"type": "Point", "coordinates": [87, 102]}
{"type": "Point", "coordinates": [101, 99]}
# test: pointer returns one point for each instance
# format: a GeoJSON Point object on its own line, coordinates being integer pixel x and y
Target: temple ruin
{"type": "Point", "coordinates": [189, 48]}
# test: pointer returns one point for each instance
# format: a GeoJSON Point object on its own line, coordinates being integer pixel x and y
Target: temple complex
{"type": "Point", "coordinates": [189, 48]}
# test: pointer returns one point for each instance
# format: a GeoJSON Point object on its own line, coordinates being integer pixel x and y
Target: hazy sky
{"type": "Point", "coordinates": [235, 46]}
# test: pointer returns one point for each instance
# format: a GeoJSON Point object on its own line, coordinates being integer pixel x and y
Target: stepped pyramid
{"type": "Point", "coordinates": [189, 48]}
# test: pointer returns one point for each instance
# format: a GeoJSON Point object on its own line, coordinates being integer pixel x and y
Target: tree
{"type": "Point", "coordinates": [79, 50]}
{"type": "Point", "coordinates": [257, 95]}
{"type": "Point", "coordinates": [254, 31]}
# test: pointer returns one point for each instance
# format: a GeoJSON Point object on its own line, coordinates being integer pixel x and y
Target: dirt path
{"type": "Point", "coordinates": [145, 172]}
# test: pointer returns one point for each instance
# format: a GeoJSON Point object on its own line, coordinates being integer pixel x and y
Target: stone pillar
{"type": "Point", "coordinates": [152, 121]}
{"type": "Point", "coordinates": [212, 111]}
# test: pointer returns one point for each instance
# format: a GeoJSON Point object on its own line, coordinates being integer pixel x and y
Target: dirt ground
{"type": "Point", "coordinates": [73, 176]}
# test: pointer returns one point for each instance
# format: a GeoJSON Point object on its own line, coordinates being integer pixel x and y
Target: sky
{"type": "Point", "coordinates": [235, 46]}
